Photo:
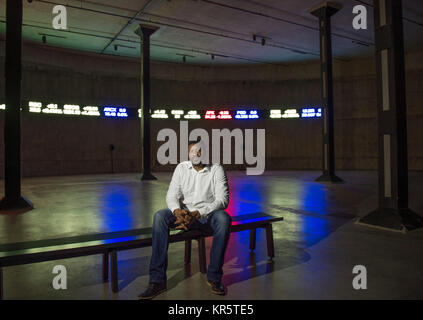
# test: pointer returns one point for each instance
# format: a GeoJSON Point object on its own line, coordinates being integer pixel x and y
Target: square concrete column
{"type": "Point", "coordinates": [393, 212]}
{"type": "Point", "coordinates": [324, 12]}
{"type": "Point", "coordinates": [145, 31]}
{"type": "Point", "coordinates": [13, 200]}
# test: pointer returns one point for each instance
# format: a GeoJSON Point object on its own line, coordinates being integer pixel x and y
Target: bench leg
{"type": "Point", "coordinates": [187, 251]}
{"type": "Point", "coordinates": [253, 239]}
{"type": "Point", "coordinates": [114, 271]}
{"type": "Point", "coordinates": [202, 254]}
{"type": "Point", "coordinates": [105, 266]}
{"type": "Point", "coordinates": [269, 239]}
{"type": "Point", "coordinates": [1, 283]}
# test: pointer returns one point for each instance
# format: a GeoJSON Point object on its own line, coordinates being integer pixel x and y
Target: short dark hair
{"type": "Point", "coordinates": [191, 142]}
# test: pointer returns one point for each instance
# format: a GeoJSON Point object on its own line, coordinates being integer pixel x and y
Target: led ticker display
{"type": "Point", "coordinates": [35, 106]}
{"type": "Point", "coordinates": [123, 112]}
{"type": "Point", "coordinates": [290, 113]}
{"type": "Point", "coordinates": [246, 114]}
{"type": "Point", "coordinates": [275, 114]}
{"type": "Point", "coordinates": [72, 109]}
{"type": "Point", "coordinates": [90, 111]}
{"type": "Point", "coordinates": [160, 114]}
{"type": "Point", "coordinates": [117, 112]}
{"type": "Point", "coordinates": [177, 113]}
{"type": "Point", "coordinates": [210, 114]}
{"type": "Point", "coordinates": [224, 115]}
{"type": "Point", "coordinates": [52, 108]}
{"type": "Point", "coordinates": [192, 115]}
{"type": "Point", "coordinates": [311, 113]}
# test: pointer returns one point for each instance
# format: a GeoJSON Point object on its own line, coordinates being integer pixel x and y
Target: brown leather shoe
{"type": "Point", "coordinates": [217, 287]}
{"type": "Point", "coordinates": [153, 290]}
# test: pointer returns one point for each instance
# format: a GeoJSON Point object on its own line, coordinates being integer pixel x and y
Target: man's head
{"type": "Point", "coordinates": [194, 153]}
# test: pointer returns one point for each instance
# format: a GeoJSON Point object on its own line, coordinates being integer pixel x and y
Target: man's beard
{"type": "Point", "coordinates": [196, 161]}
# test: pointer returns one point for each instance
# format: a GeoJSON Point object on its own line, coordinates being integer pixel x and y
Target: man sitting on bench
{"type": "Point", "coordinates": [197, 197]}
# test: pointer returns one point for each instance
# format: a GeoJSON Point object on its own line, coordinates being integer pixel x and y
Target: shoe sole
{"type": "Point", "coordinates": [216, 292]}
{"type": "Point", "coordinates": [151, 297]}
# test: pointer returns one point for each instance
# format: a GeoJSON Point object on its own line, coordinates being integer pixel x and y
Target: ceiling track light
{"type": "Point", "coordinates": [360, 43]}
{"type": "Point", "coordinates": [263, 39]}
{"type": "Point", "coordinates": [116, 47]}
{"type": "Point", "coordinates": [44, 39]}
{"type": "Point", "coordinates": [184, 56]}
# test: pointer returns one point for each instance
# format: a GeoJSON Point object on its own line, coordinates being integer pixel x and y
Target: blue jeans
{"type": "Point", "coordinates": [219, 221]}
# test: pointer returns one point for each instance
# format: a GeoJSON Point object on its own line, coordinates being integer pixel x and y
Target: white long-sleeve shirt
{"type": "Point", "coordinates": [206, 190]}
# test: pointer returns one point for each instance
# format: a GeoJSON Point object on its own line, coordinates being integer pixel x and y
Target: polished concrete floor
{"type": "Point", "coordinates": [317, 245]}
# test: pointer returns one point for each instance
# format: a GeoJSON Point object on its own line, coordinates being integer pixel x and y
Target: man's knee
{"type": "Point", "coordinates": [222, 219]}
{"type": "Point", "coordinates": [162, 216]}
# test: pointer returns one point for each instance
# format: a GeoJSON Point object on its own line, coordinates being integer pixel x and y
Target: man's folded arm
{"type": "Point", "coordinates": [174, 192]}
{"type": "Point", "coordinates": [221, 196]}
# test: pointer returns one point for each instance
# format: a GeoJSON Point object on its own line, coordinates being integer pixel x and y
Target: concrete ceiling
{"type": "Point", "coordinates": [200, 28]}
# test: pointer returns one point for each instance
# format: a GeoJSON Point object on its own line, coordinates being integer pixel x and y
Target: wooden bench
{"type": "Point", "coordinates": [108, 244]}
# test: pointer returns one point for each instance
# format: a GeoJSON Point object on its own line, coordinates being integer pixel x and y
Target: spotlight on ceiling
{"type": "Point", "coordinates": [212, 56]}
{"type": "Point", "coordinates": [116, 47]}
{"type": "Point", "coordinates": [44, 39]}
{"type": "Point", "coordinates": [254, 37]}
{"type": "Point", "coordinates": [263, 41]}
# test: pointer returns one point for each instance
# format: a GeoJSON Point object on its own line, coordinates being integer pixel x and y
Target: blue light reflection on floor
{"type": "Point", "coordinates": [313, 198]}
{"type": "Point", "coordinates": [116, 208]}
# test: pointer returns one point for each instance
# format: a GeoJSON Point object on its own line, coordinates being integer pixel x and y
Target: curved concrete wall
{"type": "Point", "coordinates": [55, 145]}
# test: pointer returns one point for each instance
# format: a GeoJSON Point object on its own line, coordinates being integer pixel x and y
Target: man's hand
{"type": "Point", "coordinates": [179, 214]}
{"type": "Point", "coordinates": [185, 218]}
{"type": "Point", "coordinates": [195, 214]}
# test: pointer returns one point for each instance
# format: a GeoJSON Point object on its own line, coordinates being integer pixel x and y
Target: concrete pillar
{"type": "Point", "coordinates": [145, 32]}
{"type": "Point", "coordinates": [393, 212]}
{"type": "Point", "coordinates": [324, 11]}
{"type": "Point", "coordinates": [13, 199]}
